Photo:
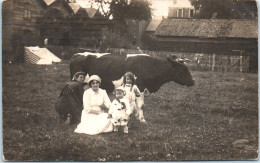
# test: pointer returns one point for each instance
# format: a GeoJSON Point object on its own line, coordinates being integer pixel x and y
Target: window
{"type": "Point", "coordinates": [191, 13]}
{"type": "Point", "coordinates": [27, 11]}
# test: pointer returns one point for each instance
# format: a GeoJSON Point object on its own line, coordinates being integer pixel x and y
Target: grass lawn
{"type": "Point", "coordinates": [217, 119]}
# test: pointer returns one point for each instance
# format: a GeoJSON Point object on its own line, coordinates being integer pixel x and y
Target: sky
{"type": "Point", "coordinates": [160, 7]}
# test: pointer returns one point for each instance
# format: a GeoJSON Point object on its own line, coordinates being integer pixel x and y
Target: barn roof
{"type": "Point", "coordinates": [153, 25]}
{"type": "Point", "coordinates": [208, 28]}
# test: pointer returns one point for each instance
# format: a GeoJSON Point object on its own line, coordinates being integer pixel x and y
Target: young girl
{"type": "Point", "coordinates": [120, 110]}
{"type": "Point", "coordinates": [132, 91]}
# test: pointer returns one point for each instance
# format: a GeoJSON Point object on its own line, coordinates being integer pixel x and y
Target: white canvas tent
{"type": "Point", "coordinates": [40, 56]}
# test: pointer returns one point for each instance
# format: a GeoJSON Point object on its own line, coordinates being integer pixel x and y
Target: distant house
{"type": "Point", "coordinates": [20, 21]}
{"type": "Point", "coordinates": [222, 36]}
{"type": "Point", "coordinates": [181, 9]}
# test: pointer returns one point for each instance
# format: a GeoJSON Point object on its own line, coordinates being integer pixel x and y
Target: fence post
{"type": "Point", "coordinates": [209, 62]}
{"type": "Point", "coordinates": [241, 62]}
{"type": "Point", "coordinates": [213, 62]}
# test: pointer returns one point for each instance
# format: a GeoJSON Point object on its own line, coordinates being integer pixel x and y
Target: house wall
{"type": "Point", "coordinates": [16, 25]}
{"type": "Point", "coordinates": [180, 12]}
{"type": "Point", "coordinates": [88, 32]}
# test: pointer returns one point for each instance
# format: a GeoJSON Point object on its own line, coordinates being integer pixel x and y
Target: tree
{"type": "Point", "coordinates": [139, 10]}
{"type": "Point", "coordinates": [135, 9]}
{"type": "Point", "coordinates": [225, 9]}
{"type": "Point", "coordinates": [102, 5]}
{"type": "Point", "coordinates": [125, 9]}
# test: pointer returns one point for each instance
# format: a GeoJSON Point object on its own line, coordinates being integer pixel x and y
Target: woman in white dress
{"type": "Point", "coordinates": [93, 119]}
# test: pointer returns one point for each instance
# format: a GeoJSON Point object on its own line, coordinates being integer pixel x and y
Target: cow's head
{"type": "Point", "coordinates": [180, 73]}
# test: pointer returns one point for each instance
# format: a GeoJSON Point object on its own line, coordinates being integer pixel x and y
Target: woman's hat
{"type": "Point", "coordinates": [94, 77]}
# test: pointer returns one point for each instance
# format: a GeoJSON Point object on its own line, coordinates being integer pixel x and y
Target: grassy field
{"type": "Point", "coordinates": [217, 119]}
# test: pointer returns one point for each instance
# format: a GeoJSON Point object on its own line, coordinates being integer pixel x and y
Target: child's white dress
{"type": "Point", "coordinates": [120, 111]}
{"type": "Point", "coordinates": [131, 92]}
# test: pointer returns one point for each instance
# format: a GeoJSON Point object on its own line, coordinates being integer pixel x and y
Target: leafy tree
{"type": "Point", "coordinates": [126, 9]}
{"type": "Point", "coordinates": [225, 9]}
{"type": "Point", "coordinates": [139, 10]}
{"type": "Point", "coordinates": [102, 5]}
{"type": "Point", "coordinates": [119, 9]}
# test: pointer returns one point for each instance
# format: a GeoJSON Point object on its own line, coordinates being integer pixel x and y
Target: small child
{"type": "Point", "coordinates": [120, 110]}
{"type": "Point", "coordinates": [131, 90]}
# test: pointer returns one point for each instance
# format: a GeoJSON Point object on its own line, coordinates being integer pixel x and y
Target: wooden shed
{"type": "Point", "coordinates": [210, 36]}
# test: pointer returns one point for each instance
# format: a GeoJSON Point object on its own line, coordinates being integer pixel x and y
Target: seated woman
{"type": "Point", "coordinates": [93, 119]}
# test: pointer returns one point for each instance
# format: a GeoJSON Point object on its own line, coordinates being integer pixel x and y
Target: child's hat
{"type": "Point", "coordinates": [120, 88]}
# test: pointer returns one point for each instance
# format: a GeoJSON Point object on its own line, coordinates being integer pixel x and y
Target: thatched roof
{"type": "Point", "coordinates": [208, 28]}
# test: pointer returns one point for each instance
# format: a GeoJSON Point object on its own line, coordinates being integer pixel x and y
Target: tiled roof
{"type": "Point", "coordinates": [208, 28]}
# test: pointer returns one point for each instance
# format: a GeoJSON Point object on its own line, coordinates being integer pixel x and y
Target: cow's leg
{"type": "Point", "coordinates": [140, 106]}
{"type": "Point", "coordinates": [141, 114]}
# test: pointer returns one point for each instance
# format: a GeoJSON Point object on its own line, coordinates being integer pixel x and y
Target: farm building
{"type": "Point", "coordinates": [86, 27]}
{"type": "Point", "coordinates": [30, 22]}
{"type": "Point", "coordinates": [220, 37]}
{"type": "Point", "coordinates": [20, 26]}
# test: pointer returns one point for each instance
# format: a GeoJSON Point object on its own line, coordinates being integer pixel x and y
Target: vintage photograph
{"type": "Point", "coordinates": [130, 80]}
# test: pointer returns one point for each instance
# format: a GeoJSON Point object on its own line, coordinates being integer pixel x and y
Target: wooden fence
{"type": "Point", "coordinates": [199, 61]}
